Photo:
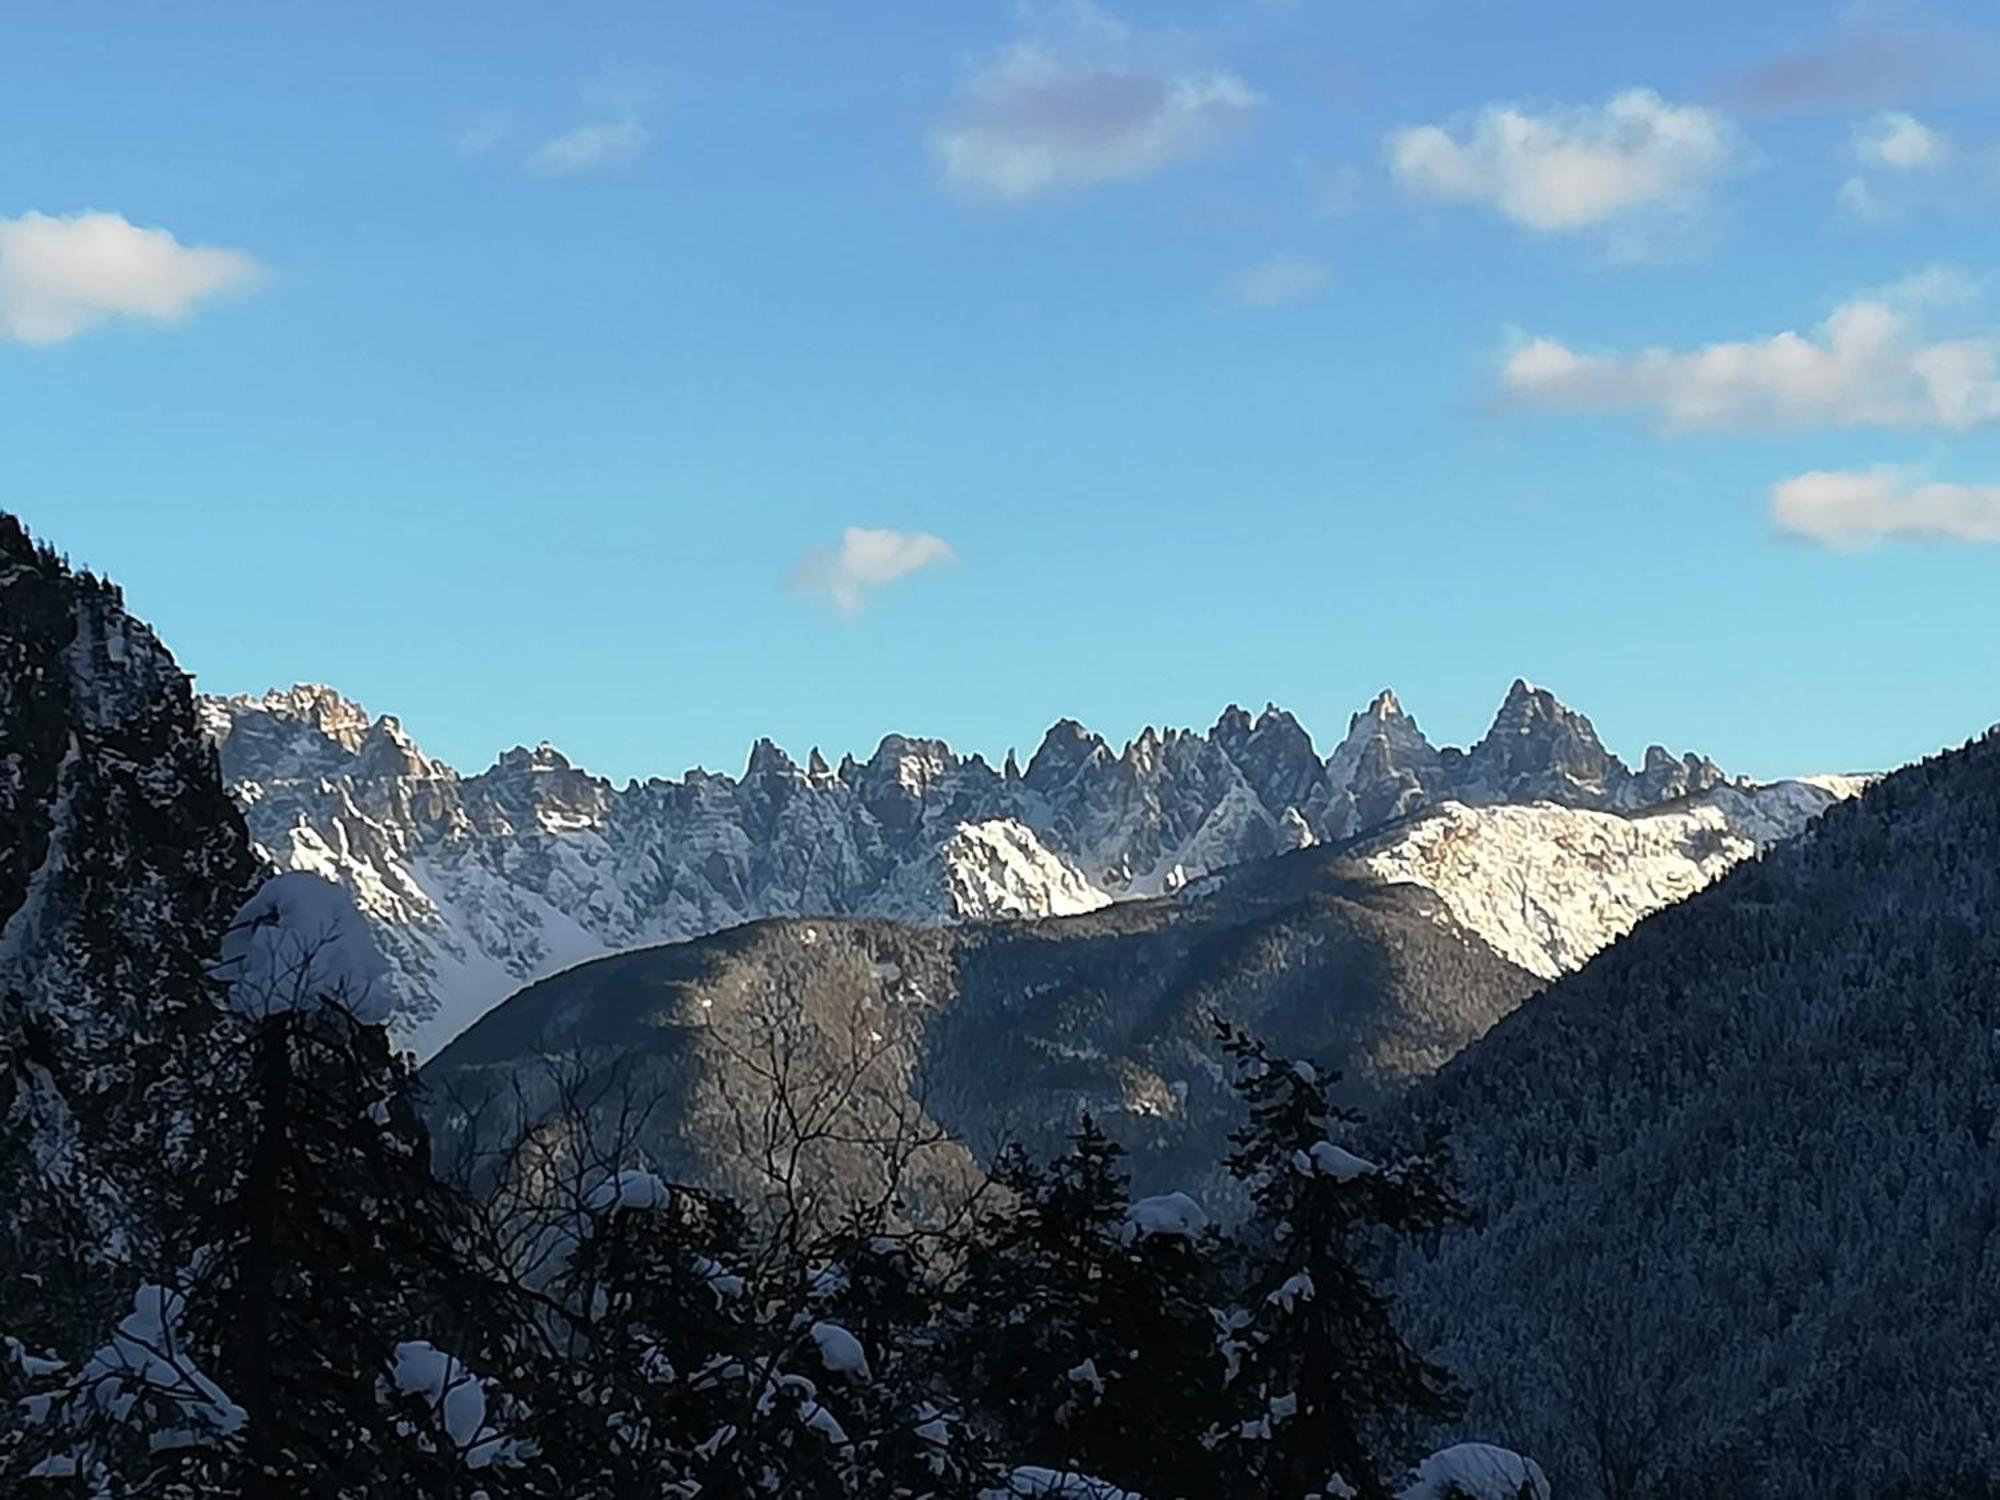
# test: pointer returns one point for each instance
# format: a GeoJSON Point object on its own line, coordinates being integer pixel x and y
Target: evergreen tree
{"type": "Point", "coordinates": [1327, 1382]}
{"type": "Point", "coordinates": [326, 1327]}
{"type": "Point", "coordinates": [1082, 1327]}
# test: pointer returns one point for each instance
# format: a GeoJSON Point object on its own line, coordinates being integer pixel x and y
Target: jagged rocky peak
{"type": "Point", "coordinates": [1538, 748]}
{"type": "Point", "coordinates": [1066, 750]}
{"type": "Point", "coordinates": [910, 763]}
{"type": "Point", "coordinates": [767, 759]}
{"type": "Point", "coordinates": [536, 789]}
{"type": "Point", "coordinates": [1277, 758]}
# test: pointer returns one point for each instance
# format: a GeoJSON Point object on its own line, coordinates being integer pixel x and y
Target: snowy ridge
{"type": "Point", "coordinates": [479, 884]}
{"type": "Point", "coordinates": [1548, 887]}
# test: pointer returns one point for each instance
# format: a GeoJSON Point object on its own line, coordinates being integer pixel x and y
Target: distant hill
{"type": "Point", "coordinates": [995, 1031]}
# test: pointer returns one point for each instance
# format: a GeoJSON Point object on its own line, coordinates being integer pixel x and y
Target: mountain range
{"type": "Point", "coordinates": [478, 884]}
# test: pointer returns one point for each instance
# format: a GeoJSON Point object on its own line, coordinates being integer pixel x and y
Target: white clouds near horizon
{"type": "Point", "coordinates": [63, 275]}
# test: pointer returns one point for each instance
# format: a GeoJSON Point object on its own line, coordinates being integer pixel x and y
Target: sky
{"type": "Point", "coordinates": [648, 378]}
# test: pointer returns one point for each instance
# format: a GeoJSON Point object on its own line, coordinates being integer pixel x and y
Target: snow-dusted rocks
{"type": "Point", "coordinates": [1548, 886]}
{"type": "Point", "coordinates": [476, 885]}
{"type": "Point", "coordinates": [299, 942]}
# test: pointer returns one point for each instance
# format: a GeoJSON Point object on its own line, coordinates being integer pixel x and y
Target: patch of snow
{"type": "Point", "coordinates": [299, 942]}
{"type": "Point", "coordinates": [1477, 1471]}
{"type": "Point", "coordinates": [455, 1394]}
{"type": "Point", "coordinates": [1296, 1288]}
{"type": "Point", "coordinates": [1328, 1160]}
{"type": "Point", "coordinates": [840, 1351]}
{"type": "Point", "coordinates": [1173, 1214]}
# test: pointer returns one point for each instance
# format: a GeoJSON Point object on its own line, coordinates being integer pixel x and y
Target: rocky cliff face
{"type": "Point", "coordinates": [122, 858]}
{"type": "Point", "coordinates": [478, 884]}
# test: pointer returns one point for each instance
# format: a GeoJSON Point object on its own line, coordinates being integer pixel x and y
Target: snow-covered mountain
{"type": "Point", "coordinates": [478, 884]}
{"type": "Point", "coordinates": [1549, 886]}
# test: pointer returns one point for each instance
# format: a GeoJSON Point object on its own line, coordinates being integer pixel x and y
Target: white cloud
{"type": "Point", "coordinates": [61, 276]}
{"type": "Point", "coordinates": [1573, 169]}
{"type": "Point", "coordinates": [1277, 281]}
{"type": "Point", "coordinates": [1866, 366]}
{"type": "Point", "coordinates": [866, 560]}
{"type": "Point", "coordinates": [1085, 101]}
{"type": "Point", "coordinates": [1896, 142]}
{"type": "Point", "coordinates": [607, 143]}
{"type": "Point", "coordinates": [1855, 509]}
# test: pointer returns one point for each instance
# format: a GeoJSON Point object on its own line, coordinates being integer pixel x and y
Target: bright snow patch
{"type": "Point", "coordinates": [1174, 1214]}
{"type": "Point", "coordinates": [456, 1395]}
{"type": "Point", "coordinates": [840, 1351]}
{"type": "Point", "coordinates": [630, 1188]}
{"type": "Point", "coordinates": [145, 1371]}
{"type": "Point", "coordinates": [1477, 1471]}
{"type": "Point", "coordinates": [299, 941]}
{"type": "Point", "coordinates": [1329, 1160]}
{"type": "Point", "coordinates": [1296, 1288]}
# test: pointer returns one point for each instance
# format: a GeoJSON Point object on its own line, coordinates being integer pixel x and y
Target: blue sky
{"type": "Point", "coordinates": [522, 370]}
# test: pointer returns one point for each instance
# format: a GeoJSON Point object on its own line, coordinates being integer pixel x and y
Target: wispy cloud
{"type": "Point", "coordinates": [1867, 365]}
{"type": "Point", "coordinates": [1854, 70]}
{"type": "Point", "coordinates": [1858, 508]}
{"type": "Point", "coordinates": [1635, 161]}
{"type": "Point", "coordinates": [1902, 164]}
{"type": "Point", "coordinates": [1275, 282]}
{"type": "Point", "coordinates": [866, 560]}
{"type": "Point", "coordinates": [618, 130]}
{"type": "Point", "coordinates": [1082, 101]}
{"type": "Point", "coordinates": [1863, 64]}
{"type": "Point", "coordinates": [63, 275]}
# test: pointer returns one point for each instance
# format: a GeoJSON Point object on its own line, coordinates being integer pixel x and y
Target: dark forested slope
{"type": "Point", "coordinates": [121, 860]}
{"type": "Point", "coordinates": [1739, 1177]}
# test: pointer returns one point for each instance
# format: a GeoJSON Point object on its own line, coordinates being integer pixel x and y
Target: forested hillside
{"type": "Point", "coordinates": [1737, 1180]}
